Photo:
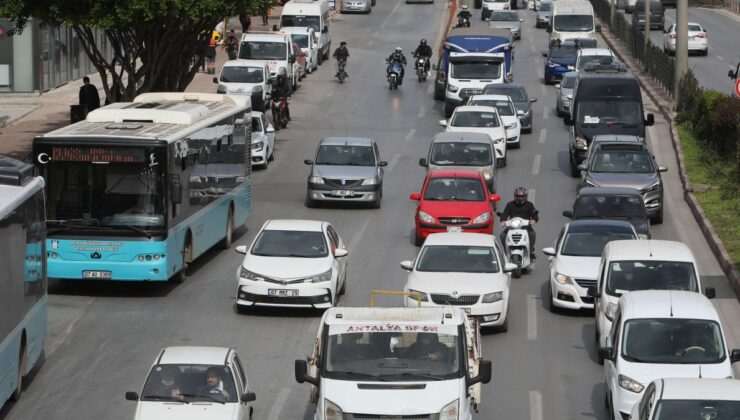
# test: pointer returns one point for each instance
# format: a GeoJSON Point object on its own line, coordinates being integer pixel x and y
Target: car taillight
{"type": "Point", "coordinates": [673, 36]}
{"type": "Point", "coordinates": [702, 36]}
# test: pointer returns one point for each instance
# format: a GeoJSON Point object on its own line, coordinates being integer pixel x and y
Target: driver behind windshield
{"type": "Point", "coordinates": [213, 386]}
{"type": "Point", "coordinates": [427, 347]}
{"type": "Point", "coordinates": [696, 341]}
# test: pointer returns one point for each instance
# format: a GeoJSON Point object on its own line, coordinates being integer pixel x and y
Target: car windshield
{"type": "Point", "coordinates": [454, 189]}
{"type": "Point", "coordinates": [609, 207]}
{"type": "Point", "coordinates": [188, 383]}
{"type": "Point", "coordinates": [300, 39]}
{"type": "Point", "coordinates": [392, 352]}
{"type": "Point", "coordinates": [696, 410]}
{"type": "Point", "coordinates": [590, 244]}
{"type": "Point", "coordinates": [457, 259]}
{"type": "Point", "coordinates": [573, 23]}
{"type": "Point", "coordinates": [239, 74]}
{"type": "Point", "coordinates": [461, 154]}
{"type": "Point", "coordinates": [569, 82]}
{"type": "Point", "coordinates": [671, 340]}
{"type": "Point", "coordinates": [345, 155]}
{"type": "Point", "coordinates": [476, 70]}
{"type": "Point", "coordinates": [262, 50]}
{"type": "Point", "coordinates": [475, 119]}
{"type": "Point", "coordinates": [609, 112]}
{"type": "Point", "coordinates": [628, 276]}
{"type": "Point", "coordinates": [300, 21]}
{"type": "Point", "coordinates": [290, 243]}
{"type": "Point", "coordinates": [505, 108]}
{"type": "Point", "coordinates": [505, 16]}
{"type": "Point", "coordinates": [515, 93]}
{"type": "Point", "coordinates": [622, 161]}
{"type": "Point", "coordinates": [545, 7]}
{"type": "Point", "coordinates": [595, 59]}
{"type": "Point", "coordinates": [563, 51]}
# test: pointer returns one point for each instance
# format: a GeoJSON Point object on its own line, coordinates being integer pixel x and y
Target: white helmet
{"type": "Point", "coordinates": [465, 7]}
{"type": "Point", "coordinates": [399, 49]}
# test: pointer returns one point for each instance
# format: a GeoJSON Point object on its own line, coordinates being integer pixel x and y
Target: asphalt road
{"type": "Point", "coordinates": [104, 337]}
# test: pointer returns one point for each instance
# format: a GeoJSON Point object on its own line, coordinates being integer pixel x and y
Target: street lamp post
{"type": "Point", "coordinates": [681, 65]}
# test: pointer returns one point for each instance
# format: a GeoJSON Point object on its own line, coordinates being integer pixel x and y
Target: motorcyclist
{"type": "Point", "coordinates": [281, 89]}
{"type": "Point", "coordinates": [423, 50]}
{"type": "Point", "coordinates": [341, 53]}
{"type": "Point", "coordinates": [521, 207]}
{"type": "Point", "coordinates": [464, 14]}
{"type": "Point", "coordinates": [398, 57]}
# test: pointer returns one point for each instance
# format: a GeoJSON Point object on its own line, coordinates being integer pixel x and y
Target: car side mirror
{"type": "Point", "coordinates": [606, 353]}
{"type": "Point", "coordinates": [308, 161]}
{"type": "Point", "coordinates": [484, 373]}
{"type": "Point", "coordinates": [650, 120]}
{"type": "Point", "coordinates": [241, 249]}
{"type": "Point", "coordinates": [531, 100]}
{"type": "Point", "coordinates": [132, 396]}
{"type": "Point", "coordinates": [382, 163]}
{"type": "Point", "coordinates": [215, 80]}
{"type": "Point", "coordinates": [735, 356]}
{"type": "Point", "coordinates": [248, 397]}
{"type": "Point", "coordinates": [710, 292]}
{"type": "Point", "coordinates": [549, 251]}
{"type": "Point", "coordinates": [176, 190]}
{"type": "Point", "coordinates": [519, 112]}
{"type": "Point", "coordinates": [269, 129]}
{"type": "Point", "coordinates": [423, 162]}
{"type": "Point", "coordinates": [415, 197]}
{"type": "Point", "coordinates": [568, 214]}
{"type": "Point", "coordinates": [340, 252]}
{"type": "Point", "coordinates": [731, 74]}
{"type": "Point", "coordinates": [494, 198]}
{"type": "Point", "coordinates": [544, 54]}
{"type": "Point", "coordinates": [407, 265]}
{"type": "Point", "coordinates": [301, 373]}
{"type": "Point", "coordinates": [582, 167]}
{"type": "Point", "coordinates": [509, 267]}
{"type": "Point", "coordinates": [443, 123]}
{"type": "Point", "coordinates": [662, 169]}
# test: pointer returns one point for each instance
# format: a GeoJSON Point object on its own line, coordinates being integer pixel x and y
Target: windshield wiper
{"type": "Point", "coordinates": [68, 227]}
{"type": "Point", "coordinates": [164, 398]}
{"type": "Point", "coordinates": [210, 397]}
{"type": "Point", "coordinates": [135, 229]}
{"type": "Point", "coordinates": [362, 374]}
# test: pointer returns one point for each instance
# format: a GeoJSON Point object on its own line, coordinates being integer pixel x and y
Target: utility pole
{"type": "Point", "coordinates": [647, 27]}
{"type": "Point", "coordinates": [612, 10]}
{"type": "Point", "coordinates": [681, 64]}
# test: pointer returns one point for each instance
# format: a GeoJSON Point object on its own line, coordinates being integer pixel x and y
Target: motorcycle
{"type": "Point", "coordinates": [341, 74]}
{"type": "Point", "coordinates": [516, 244]}
{"type": "Point", "coordinates": [279, 112]}
{"type": "Point", "coordinates": [463, 22]}
{"type": "Point", "coordinates": [422, 67]}
{"type": "Point", "coordinates": [393, 73]}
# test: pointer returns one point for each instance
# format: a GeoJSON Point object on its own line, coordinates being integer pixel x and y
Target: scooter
{"type": "Point", "coordinates": [341, 74]}
{"type": "Point", "coordinates": [393, 72]}
{"type": "Point", "coordinates": [421, 68]}
{"type": "Point", "coordinates": [516, 245]}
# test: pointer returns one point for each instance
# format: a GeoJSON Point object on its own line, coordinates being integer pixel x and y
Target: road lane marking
{"type": "Point", "coordinates": [422, 110]}
{"type": "Point", "coordinates": [358, 235]}
{"type": "Point", "coordinates": [543, 133]}
{"type": "Point", "coordinates": [277, 406]}
{"type": "Point", "coordinates": [544, 90]}
{"type": "Point", "coordinates": [719, 57]}
{"type": "Point", "coordinates": [394, 161]}
{"type": "Point", "coordinates": [536, 164]}
{"type": "Point", "coordinates": [531, 312]}
{"type": "Point", "coordinates": [385, 21]}
{"type": "Point", "coordinates": [410, 134]}
{"type": "Point", "coordinates": [535, 405]}
{"type": "Point", "coordinates": [532, 196]}
{"type": "Point", "coordinates": [328, 94]}
{"type": "Point", "coordinates": [545, 112]}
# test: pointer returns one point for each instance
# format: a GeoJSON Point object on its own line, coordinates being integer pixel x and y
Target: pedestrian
{"type": "Point", "coordinates": [89, 98]}
{"type": "Point", "coordinates": [245, 20]}
{"type": "Point", "coordinates": [265, 11]}
{"type": "Point", "coordinates": [231, 44]}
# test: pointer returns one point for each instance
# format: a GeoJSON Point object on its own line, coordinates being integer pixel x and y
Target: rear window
{"type": "Point", "coordinates": [654, 6]}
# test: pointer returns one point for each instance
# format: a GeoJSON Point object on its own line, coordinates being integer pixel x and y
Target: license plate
{"type": "Point", "coordinates": [456, 229]}
{"type": "Point", "coordinates": [96, 274]}
{"type": "Point", "coordinates": [467, 310]}
{"type": "Point", "coordinates": [343, 193]}
{"type": "Point", "coordinates": [282, 292]}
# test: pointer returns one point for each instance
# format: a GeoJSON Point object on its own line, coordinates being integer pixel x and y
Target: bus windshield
{"type": "Point", "coordinates": [260, 50]}
{"type": "Point", "coordinates": [573, 23]}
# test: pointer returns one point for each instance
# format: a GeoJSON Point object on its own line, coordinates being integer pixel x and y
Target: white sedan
{"type": "Point", "coordinates": [462, 269]}
{"type": "Point", "coordinates": [698, 39]}
{"type": "Point", "coordinates": [263, 140]}
{"type": "Point", "coordinates": [480, 119]}
{"type": "Point", "coordinates": [297, 263]}
{"type": "Point", "coordinates": [507, 112]}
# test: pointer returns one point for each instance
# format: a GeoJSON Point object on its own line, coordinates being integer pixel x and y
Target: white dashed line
{"type": "Point", "coordinates": [719, 57]}
{"type": "Point", "coordinates": [545, 113]}
{"type": "Point", "coordinates": [535, 405]}
{"type": "Point", "coordinates": [544, 90]}
{"type": "Point", "coordinates": [393, 162]}
{"type": "Point", "coordinates": [358, 235]}
{"type": "Point", "coordinates": [277, 407]}
{"type": "Point", "coordinates": [532, 196]}
{"type": "Point", "coordinates": [422, 110]}
{"type": "Point", "coordinates": [543, 134]}
{"type": "Point", "coordinates": [531, 311]}
{"type": "Point", "coordinates": [393, 12]}
{"type": "Point", "coordinates": [328, 94]}
{"type": "Point", "coordinates": [410, 134]}
{"type": "Point", "coordinates": [536, 164]}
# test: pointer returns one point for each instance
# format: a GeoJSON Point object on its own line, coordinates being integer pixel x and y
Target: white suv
{"type": "Point", "coordinates": [274, 48]}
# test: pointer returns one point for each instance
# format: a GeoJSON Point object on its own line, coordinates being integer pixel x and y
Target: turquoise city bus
{"type": "Point", "coordinates": [140, 189]}
{"type": "Point", "coordinates": [23, 298]}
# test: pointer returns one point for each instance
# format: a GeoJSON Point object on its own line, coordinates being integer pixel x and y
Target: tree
{"type": "Point", "coordinates": [158, 45]}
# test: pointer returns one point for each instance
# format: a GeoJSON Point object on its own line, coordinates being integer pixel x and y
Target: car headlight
{"type": "Point", "coordinates": [487, 174]}
{"type": "Point", "coordinates": [591, 184]}
{"type": "Point", "coordinates": [258, 145]}
{"type": "Point", "coordinates": [423, 296]}
{"type": "Point", "coordinates": [611, 310]}
{"type": "Point", "coordinates": [514, 125]}
{"type": "Point", "coordinates": [425, 217]}
{"type": "Point", "coordinates": [315, 180]}
{"type": "Point", "coordinates": [332, 411]}
{"type": "Point", "coordinates": [630, 384]}
{"type": "Point", "coordinates": [581, 143]}
{"type": "Point", "coordinates": [652, 187]}
{"type": "Point", "coordinates": [497, 141]}
{"type": "Point", "coordinates": [248, 275]}
{"type": "Point", "coordinates": [452, 88]}
{"type": "Point", "coordinates": [492, 297]}
{"type": "Point", "coordinates": [565, 98]}
{"type": "Point", "coordinates": [325, 276]}
{"type": "Point", "coordinates": [482, 218]}
{"type": "Point", "coordinates": [563, 279]}
{"type": "Point", "coordinates": [370, 181]}
{"type": "Point", "coordinates": [450, 411]}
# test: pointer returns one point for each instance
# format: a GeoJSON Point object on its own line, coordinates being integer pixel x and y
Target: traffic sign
{"type": "Point", "coordinates": [737, 87]}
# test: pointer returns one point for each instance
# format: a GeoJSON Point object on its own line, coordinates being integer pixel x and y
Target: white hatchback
{"type": "Point", "coordinates": [263, 140]}
{"type": "Point", "coordinates": [480, 119]}
{"type": "Point", "coordinates": [507, 112]}
{"type": "Point", "coordinates": [296, 263]}
{"type": "Point", "coordinates": [467, 270]}
{"type": "Point", "coordinates": [187, 383]}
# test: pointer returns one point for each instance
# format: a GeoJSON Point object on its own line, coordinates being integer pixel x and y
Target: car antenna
{"type": "Point", "coordinates": [650, 248]}
{"type": "Point", "coordinates": [699, 371]}
{"type": "Point", "coordinates": [670, 293]}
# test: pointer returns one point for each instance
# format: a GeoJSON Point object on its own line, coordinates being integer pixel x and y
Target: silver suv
{"type": "Point", "coordinates": [346, 169]}
{"type": "Point", "coordinates": [460, 150]}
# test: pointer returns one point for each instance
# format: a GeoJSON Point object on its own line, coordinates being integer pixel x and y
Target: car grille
{"type": "Point", "coordinates": [283, 282]}
{"type": "Point", "coordinates": [337, 183]}
{"type": "Point", "coordinates": [451, 300]}
{"type": "Point", "coordinates": [516, 237]}
{"type": "Point", "coordinates": [298, 300]}
{"type": "Point", "coordinates": [387, 417]}
{"type": "Point", "coordinates": [586, 283]}
{"type": "Point", "coordinates": [454, 220]}
{"type": "Point", "coordinates": [467, 92]}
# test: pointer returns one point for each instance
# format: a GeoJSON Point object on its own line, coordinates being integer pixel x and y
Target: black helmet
{"type": "Point", "coordinates": [343, 43]}
{"type": "Point", "coordinates": [520, 194]}
{"type": "Point", "coordinates": [423, 42]}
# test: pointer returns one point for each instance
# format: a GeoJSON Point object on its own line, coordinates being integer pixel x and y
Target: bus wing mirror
{"type": "Point", "coordinates": [176, 191]}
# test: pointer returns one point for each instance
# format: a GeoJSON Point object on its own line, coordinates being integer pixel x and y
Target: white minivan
{"type": "Point", "coordinates": [641, 264]}
{"type": "Point", "coordinates": [275, 48]}
{"type": "Point", "coordinates": [306, 40]}
{"type": "Point", "coordinates": [246, 77]}
{"type": "Point", "coordinates": [393, 363]}
{"type": "Point", "coordinates": [572, 19]}
{"type": "Point", "coordinates": [661, 334]}
{"type": "Point", "coordinates": [314, 14]}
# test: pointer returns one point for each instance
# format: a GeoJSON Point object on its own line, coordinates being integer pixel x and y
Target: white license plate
{"type": "Point", "coordinates": [343, 193]}
{"type": "Point", "coordinates": [467, 310]}
{"type": "Point", "coordinates": [282, 292]}
{"type": "Point", "coordinates": [456, 229]}
{"type": "Point", "coordinates": [96, 274]}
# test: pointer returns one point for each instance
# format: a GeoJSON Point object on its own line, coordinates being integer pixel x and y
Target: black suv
{"type": "Point", "coordinates": [611, 203]}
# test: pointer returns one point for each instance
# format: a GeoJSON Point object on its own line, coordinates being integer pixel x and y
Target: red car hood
{"type": "Point", "coordinates": [470, 209]}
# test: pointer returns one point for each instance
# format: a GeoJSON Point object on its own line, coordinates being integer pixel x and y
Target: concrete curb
{"type": "Point", "coordinates": [663, 103]}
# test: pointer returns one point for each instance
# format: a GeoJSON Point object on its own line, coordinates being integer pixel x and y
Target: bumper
{"type": "Point", "coordinates": [119, 270]}
{"type": "Point", "coordinates": [423, 229]}
{"type": "Point", "coordinates": [569, 296]}
{"type": "Point", "coordinates": [259, 157]}
{"type": "Point", "coordinates": [555, 73]}
{"type": "Point", "coordinates": [309, 295]}
{"type": "Point", "coordinates": [365, 193]}
{"type": "Point", "coordinates": [487, 314]}
{"type": "Point", "coordinates": [526, 121]}
{"type": "Point", "coordinates": [653, 202]}
{"type": "Point", "coordinates": [564, 106]}
{"type": "Point", "coordinates": [624, 400]}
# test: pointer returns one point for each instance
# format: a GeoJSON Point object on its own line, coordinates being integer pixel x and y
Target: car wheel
{"type": "Point", "coordinates": [378, 198]}
{"type": "Point", "coordinates": [658, 218]}
{"type": "Point", "coordinates": [310, 203]}
{"type": "Point", "coordinates": [501, 162]}
{"type": "Point", "coordinates": [554, 309]}
{"type": "Point", "coordinates": [505, 326]}
{"type": "Point", "coordinates": [574, 171]}
{"type": "Point", "coordinates": [449, 109]}
{"type": "Point", "coordinates": [267, 161]}
{"type": "Point", "coordinates": [558, 111]}
{"type": "Point", "coordinates": [343, 290]}
{"type": "Point", "coordinates": [418, 241]}
{"type": "Point", "coordinates": [272, 154]}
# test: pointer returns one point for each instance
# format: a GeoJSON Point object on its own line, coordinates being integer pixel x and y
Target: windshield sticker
{"type": "Point", "coordinates": [392, 328]}
{"type": "Point", "coordinates": [590, 120]}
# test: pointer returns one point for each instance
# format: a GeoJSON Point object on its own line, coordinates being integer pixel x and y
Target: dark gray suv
{"type": "Point", "coordinates": [518, 95]}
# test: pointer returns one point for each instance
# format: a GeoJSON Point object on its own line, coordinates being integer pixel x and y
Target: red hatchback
{"type": "Point", "coordinates": [453, 201]}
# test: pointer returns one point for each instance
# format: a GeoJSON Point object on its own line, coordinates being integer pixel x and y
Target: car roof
{"type": "Point", "coordinates": [296, 29]}
{"type": "Point", "coordinates": [467, 239]}
{"type": "Point", "coordinates": [347, 141]}
{"type": "Point", "coordinates": [704, 389]}
{"type": "Point", "coordinates": [385, 315]}
{"type": "Point", "coordinates": [595, 51]}
{"type": "Point", "coordinates": [570, 74]}
{"type": "Point", "coordinates": [461, 136]}
{"type": "Point", "coordinates": [264, 36]}
{"type": "Point", "coordinates": [491, 97]}
{"type": "Point", "coordinates": [648, 249]}
{"type": "Point", "coordinates": [504, 86]}
{"type": "Point", "coordinates": [454, 173]}
{"type": "Point", "coordinates": [195, 355]}
{"type": "Point", "coordinates": [678, 304]}
{"type": "Point", "coordinates": [589, 225]}
{"type": "Point", "coordinates": [473, 108]}
{"type": "Point", "coordinates": [607, 191]}
{"type": "Point", "coordinates": [241, 62]}
{"type": "Point", "coordinates": [621, 138]}
{"type": "Point", "coordinates": [294, 224]}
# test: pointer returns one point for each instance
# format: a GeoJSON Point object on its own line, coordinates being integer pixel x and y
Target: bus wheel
{"type": "Point", "coordinates": [226, 241]}
{"type": "Point", "coordinates": [181, 275]}
{"type": "Point", "coordinates": [22, 360]}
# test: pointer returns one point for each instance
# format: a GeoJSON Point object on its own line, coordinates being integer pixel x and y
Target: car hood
{"type": "Point", "coordinates": [522, 106]}
{"type": "Point", "coordinates": [494, 132]}
{"type": "Point", "coordinates": [470, 209]}
{"type": "Point", "coordinates": [457, 283]}
{"type": "Point", "coordinates": [239, 87]}
{"type": "Point", "coordinates": [156, 410]}
{"type": "Point", "coordinates": [286, 267]}
{"type": "Point", "coordinates": [645, 373]}
{"type": "Point", "coordinates": [578, 267]}
{"type": "Point", "coordinates": [397, 399]}
{"type": "Point", "coordinates": [636, 181]}
{"type": "Point", "coordinates": [344, 172]}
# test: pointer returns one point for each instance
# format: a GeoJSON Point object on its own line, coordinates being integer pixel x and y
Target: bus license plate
{"type": "Point", "coordinates": [456, 229]}
{"type": "Point", "coordinates": [343, 193]}
{"type": "Point", "coordinates": [96, 274]}
{"type": "Point", "coordinates": [282, 292]}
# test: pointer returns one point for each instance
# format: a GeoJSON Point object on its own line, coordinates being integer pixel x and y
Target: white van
{"type": "Point", "coordinates": [395, 363]}
{"type": "Point", "coordinates": [662, 334]}
{"type": "Point", "coordinates": [641, 264]}
{"type": "Point", "coordinates": [246, 77]}
{"type": "Point", "coordinates": [572, 19]}
{"type": "Point", "coordinates": [306, 40]}
{"type": "Point", "coordinates": [276, 48]}
{"type": "Point", "coordinates": [310, 13]}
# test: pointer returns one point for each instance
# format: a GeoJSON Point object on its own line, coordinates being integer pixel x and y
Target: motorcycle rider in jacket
{"type": "Point", "coordinates": [423, 50]}
{"type": "Point", "coordinates": [399, 58]}
{"type": "Point", "coordinates": [521, 207]}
